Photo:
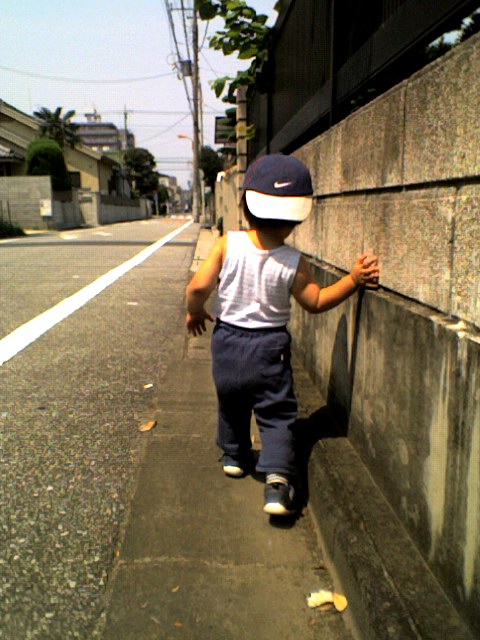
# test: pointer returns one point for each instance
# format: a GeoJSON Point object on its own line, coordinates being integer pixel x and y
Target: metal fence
{"type": "Point", "coordinates": [327, 55]}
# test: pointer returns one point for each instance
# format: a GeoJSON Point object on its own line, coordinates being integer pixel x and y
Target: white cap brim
{"type": "Point", "coordinates": [289, 208]}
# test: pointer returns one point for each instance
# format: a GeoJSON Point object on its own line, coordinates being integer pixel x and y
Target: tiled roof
{"type": "Point", "coordinates": [10, 154]}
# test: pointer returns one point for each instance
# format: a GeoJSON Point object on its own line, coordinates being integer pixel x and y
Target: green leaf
{"type": "Point", "coordinates": [233, 5]}
{"type": "Point", "coordinates": [206, 9]}
{"type": "Point", "coordinates": [247, 52]}
{"type": "Point", "coordinates": [248, 12]}
{"type": "Point", "coordinates": [244, 32]}
{"type": "Point", "coordinates": [228, 47]}
{"type": "Point", "coordinates": [218, 85]}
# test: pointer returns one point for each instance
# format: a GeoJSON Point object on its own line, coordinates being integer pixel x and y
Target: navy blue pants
{"type": "Point", "coordinates": [252, 372]}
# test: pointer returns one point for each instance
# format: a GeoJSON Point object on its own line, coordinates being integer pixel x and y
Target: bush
{"type": "Point", "coordinates": [45, 158]}
{"type": "Point", "coordinates": [9, 230]}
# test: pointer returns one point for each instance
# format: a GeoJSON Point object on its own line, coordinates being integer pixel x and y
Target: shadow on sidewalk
{"type": "Point", "coordinates": [332, 419]}
{"type": "Point", "coordinates": [321, 424]}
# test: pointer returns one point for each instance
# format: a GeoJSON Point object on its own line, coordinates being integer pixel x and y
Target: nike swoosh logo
{"type": "Point", "coordinates": [280, 185]}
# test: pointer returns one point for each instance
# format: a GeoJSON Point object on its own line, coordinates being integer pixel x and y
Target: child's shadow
{"type": "Point", "coordinates": [322, 423]}
{"type": "Point", "coordinates": [332, 419]}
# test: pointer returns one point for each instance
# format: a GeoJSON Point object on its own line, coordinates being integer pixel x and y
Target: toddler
{"type": "Point", "coordinates": [254, 273]}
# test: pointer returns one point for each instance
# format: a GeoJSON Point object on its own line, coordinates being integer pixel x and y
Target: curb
{"type": "Point", "coordinates": [391, 590]}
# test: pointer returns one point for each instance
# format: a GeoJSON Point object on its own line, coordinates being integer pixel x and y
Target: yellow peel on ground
{"type": "Point", "coordinates": [147, 426]}
{"type": "Point", "coordinates": [340, 602]}
{"type": "Point", "coordinates": [319, 598]}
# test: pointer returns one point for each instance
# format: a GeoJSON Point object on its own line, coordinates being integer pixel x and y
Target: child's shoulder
{"type": "Point", "coordinates": [220, 247]}
{"type": "Point", "coordinates": [221, 242]}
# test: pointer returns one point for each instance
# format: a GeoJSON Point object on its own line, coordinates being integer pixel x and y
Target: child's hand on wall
{"type": "Point", "coordinates": [366, 270]}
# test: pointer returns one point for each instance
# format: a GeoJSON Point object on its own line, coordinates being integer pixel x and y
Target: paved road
{"type": "Point", "coordinates": [71, 403]}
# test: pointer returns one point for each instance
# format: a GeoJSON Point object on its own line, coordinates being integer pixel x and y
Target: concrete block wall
{"type": "Point", "coordinates": [95, 212]}
{"type": "Point", "coordinates": [403, 174]}
{"type": "Point", "coordinates": [401, 366]}
{"type": "Point", "coordinates": [110, 213]}
{"type": "Point", "coordinates": [404, 384]}
{"type": "Point", "coordinates": [23, 195]}
{"type": "Point", "coordinates": [67, 215]}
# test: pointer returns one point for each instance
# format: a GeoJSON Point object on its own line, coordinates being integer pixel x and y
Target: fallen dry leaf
{"type": "Point", "coordinates": [175, 589]}
{"type": "Point", "coordinates": [177, 623]}
{"type": "Point", "coordinates": [147, 426]}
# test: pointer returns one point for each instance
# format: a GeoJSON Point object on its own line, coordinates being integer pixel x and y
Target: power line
{"type": "Point", "coordinates": [157, 135]}
{"type": "Point", "coordinates": [42, 76]}
{"type": "Point", "coordinates": [215, 73]}
{"type": "Point", "coordinates": [168, 8]}
{"type": "Point", "coordinates": [160, 113]}
{"type": "Point", "coordinates": [194, 102]}
{"type": "Point", "coordinates": [204, 35]}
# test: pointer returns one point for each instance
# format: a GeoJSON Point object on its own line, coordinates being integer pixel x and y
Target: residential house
{"type": "Point", "coordinates": [100, 195]}
{"type": "Point", "coordinates": [90, 171]}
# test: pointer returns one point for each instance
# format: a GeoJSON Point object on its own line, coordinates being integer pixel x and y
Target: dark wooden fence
{"type": "Point", "coordinates": [325, 56]}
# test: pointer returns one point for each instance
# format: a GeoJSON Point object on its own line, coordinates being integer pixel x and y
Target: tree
{"type": "Point", "coordinates": [210, 163]}
{"type": "Point", "coordinates": [245, 32]}
{"type": "Point", "coordinates": [57, 127]}
{"type": "Point", "coordinates": [162, 194]}
{"type": "Point", "coordinates": [141, 165]}
{"type": "Point", "coordinates": [45, 158]}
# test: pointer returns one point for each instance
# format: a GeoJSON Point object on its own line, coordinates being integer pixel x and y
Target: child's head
{"type": "Point", "coordinates": [277, 192]}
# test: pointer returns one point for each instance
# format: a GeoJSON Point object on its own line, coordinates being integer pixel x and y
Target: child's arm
{"type": "Point", "coordinates": [314, 299]}
{"type": "Point", "coordinates": [201, 286]}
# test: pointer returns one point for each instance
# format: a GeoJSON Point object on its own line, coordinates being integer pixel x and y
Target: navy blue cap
{"type": "Point", "coordinates": [278, 175]}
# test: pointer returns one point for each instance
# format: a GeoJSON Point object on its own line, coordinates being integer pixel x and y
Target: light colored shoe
{"type": "Point", "coordinates": [279, 499]}
{"type": "Point", "coordinates": [236, 466]}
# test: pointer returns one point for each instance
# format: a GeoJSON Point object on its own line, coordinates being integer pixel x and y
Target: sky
{"type": "Point", "coordinates": [90, 55]}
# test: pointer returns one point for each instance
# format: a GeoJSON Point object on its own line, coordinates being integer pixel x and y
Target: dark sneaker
{"type": "Point", "coordinates": [237, 466]}
{"type": "Point", "coordinates": [279, 499]}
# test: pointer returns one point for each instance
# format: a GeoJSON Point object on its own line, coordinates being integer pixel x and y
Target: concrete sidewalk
{"type": "Point", "coordinates": [200, 560]}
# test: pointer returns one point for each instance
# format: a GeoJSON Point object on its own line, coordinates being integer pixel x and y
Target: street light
{"type": "Point", "coordinates": [196, 177]}
{"type": "Point", "coordinates": [183, 136]}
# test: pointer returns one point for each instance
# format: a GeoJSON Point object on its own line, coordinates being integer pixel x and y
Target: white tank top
{"type": "Point", "coordinates": [254, 286]}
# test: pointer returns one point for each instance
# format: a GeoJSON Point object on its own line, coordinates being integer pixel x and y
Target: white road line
{"type": "Point", "coordinates": [33, 329]}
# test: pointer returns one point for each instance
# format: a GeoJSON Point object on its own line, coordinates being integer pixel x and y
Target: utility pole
{"type": "Point", "coordinates": [196, 193]}
{"type": "Point", "coordinates": [194, 102]}
{"type": "Point", "coordinates": [125, 116]}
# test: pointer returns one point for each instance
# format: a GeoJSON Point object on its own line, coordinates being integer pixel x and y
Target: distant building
{"type": "Point", "coordinates": [103, 137]}
{"type": "Point", "coordinates": [174, 191]}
